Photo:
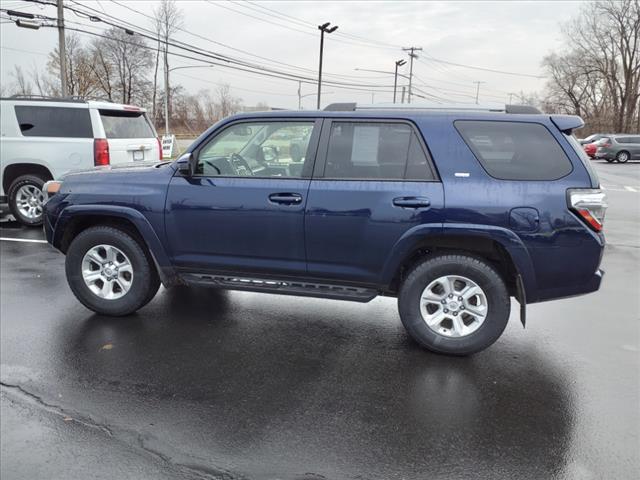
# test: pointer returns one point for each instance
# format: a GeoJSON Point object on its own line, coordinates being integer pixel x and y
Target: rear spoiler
{"type": "Point", "coordinates": [567, 123]}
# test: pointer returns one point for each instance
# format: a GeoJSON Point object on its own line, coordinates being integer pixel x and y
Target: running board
{"type": "Point", "coordinates": [283, 287]}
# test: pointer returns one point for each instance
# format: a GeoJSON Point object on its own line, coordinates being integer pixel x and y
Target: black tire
{"type": "Point", "coordinates": [22, 181]}
{"type": "Point", "coordinates": [145, 282]}
{"type": "Point", "coordinates": [622, 156]}
{"type": "Point", "coordinates": [476, 270]}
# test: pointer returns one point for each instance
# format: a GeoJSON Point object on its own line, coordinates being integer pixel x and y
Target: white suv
{"type": "Point", "coordinates": [43, 139]}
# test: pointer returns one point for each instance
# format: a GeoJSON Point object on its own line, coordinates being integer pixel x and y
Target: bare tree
{"type": "Point", "coordinates": [81, 79]}
{"type": "Point", "coordinates": [226, 103]}
{"type": "Point", "coordinates": [121, 64]}
{"type": "Point", "coordinates": [169, 21]}
{"type": "Point", "coordinates": [599, 76]}
{"type": "Point", "coordinates": [22, 84]}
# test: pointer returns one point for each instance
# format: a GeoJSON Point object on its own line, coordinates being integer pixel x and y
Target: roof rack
{"type": "Point", "coordinates": [46, 98]}
{"type": "Point", "coordinates": [352, 107]}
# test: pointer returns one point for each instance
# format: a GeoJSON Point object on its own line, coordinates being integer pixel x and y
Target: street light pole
{"type": "Point", "coordinates": [324, 28]}
{"type": "Point", "coordinates": [62, 50]}
{"type": "Point", "coordinates": [399, 63]}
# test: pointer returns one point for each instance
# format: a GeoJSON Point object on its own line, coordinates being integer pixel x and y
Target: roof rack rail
{"type": "Point", "coordinates": [46, 98]}
{"type": "Point", "coordinates": [352, 107]}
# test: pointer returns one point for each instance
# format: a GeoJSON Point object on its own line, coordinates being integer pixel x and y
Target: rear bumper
{"type": "Point", "coordinates": [592, 285]}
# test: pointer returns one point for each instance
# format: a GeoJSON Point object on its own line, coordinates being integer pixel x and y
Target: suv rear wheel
{"type": "Point", "coordinates": [454, 304]}
{"type": "Point", "coordinates": [26, 199]}
{"type": "Point", "coordinates": [623, 157]}
{"type": "Point", "coordinates": [110, 272]}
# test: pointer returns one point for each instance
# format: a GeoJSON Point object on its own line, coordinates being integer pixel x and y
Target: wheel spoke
{"type": "Point", "coordinates": [459, 328]}
{"type": "Point", "coordinates": [435, 319]}
{"type": "Point", "coordinates": [92, 276]}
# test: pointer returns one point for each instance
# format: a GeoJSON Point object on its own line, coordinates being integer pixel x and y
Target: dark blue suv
{"type": "Point", "coordinates": [452, 211]}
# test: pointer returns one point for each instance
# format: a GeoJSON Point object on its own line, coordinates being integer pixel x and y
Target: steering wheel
{"type": "Point", "coordinates": [240, 164]}
{"type": "Point", "coordinates": [213, 166]}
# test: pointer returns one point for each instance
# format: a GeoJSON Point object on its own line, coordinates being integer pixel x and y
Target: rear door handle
{"type": "Point", "coordinates": [286, 198]}
{"type": "Point", "coordinates": [412, 202]}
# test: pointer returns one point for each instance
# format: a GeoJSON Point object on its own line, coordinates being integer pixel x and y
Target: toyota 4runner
{"type": "Point", "coordinates": [452, 211]}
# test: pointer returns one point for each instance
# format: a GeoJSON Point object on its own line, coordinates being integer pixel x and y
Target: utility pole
{"type": "Point", "coordinates": [62, 50]}
{"type": "Point", "coordinates": [412, 55]}
{"type": "Point", "coordinates": [399, 63]}
{"type": "Point", "coordinates": [166, 88]}
{"type": "Point", "coordinates": [511, 98]}
{"type": "Point", "coordinates": [403, 90]}
{"type": "Point", "coordinates": [478, 90]}
{"type": "Point", "coordinates": [324, 28]}
{"type": "Point", "coordinates": [299, 95]}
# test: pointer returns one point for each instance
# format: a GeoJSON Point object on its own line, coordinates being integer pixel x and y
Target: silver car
{"type": "Point", "coordinates": [619, 148]}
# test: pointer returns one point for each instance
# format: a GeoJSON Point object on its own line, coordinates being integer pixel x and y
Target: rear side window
{"type": "Point", "coordinates": [123, 124]}
{"type": "Point", "coordinates": [375, 151]}
{"type": "Point", "coordinates": [514, 150]}
{"type": "Point", "coordinates": [628, 139]}
{"type": "Point", "coordinates": [36, 121]}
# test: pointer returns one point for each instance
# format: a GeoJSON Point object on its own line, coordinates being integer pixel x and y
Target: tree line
{"type": "Point", "coordinates": [596, 74]}
{"type": "Point", "coordinates": [123, 68]}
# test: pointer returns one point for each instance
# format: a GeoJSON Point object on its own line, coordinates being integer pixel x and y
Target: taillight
{"type": "Point", "coordinates": [100, 152]}
{"type": "Point", "coordinates": [159, 148]}
{"type": "Point", "coordinates": [590, 205]}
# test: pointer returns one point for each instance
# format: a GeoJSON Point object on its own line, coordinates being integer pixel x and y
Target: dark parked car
{"type": "Point", "coordinates": [452, 212]}
{"type": "Point", "coordinates": [619, 148]}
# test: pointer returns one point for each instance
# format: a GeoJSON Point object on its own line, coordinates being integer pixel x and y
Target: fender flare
{"type": "Point", "coordinates": [506, 238]}
{"type": "Point", "coordinates": [166, 271]}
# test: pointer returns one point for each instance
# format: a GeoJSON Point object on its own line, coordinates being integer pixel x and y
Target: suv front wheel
{"type": "Point", "coordinates": [26, 199]}
{"type": "Point", "coordinates": [454, 304]}
{"type": "Point", "coordinates": [110, 272]}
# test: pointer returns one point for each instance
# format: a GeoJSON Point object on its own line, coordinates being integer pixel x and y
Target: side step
{"type": "Point", "coordinates": [283, 287]}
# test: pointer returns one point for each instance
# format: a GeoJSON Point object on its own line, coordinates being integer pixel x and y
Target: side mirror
{"type": "Point", "coordinates": [186, 164]}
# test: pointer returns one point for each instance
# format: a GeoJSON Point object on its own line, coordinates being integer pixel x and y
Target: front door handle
{"type": "Point", "coordinates": [286, 198]}
{"type": "Point", "coordinates": [412, 202]}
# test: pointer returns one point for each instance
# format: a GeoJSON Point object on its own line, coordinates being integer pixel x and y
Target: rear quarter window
{"type": "Point", "coordinates": [124, 124]}
{"type": "Point", "coordinates": [515, 150]}
{"type": "Point", "coordinates": [36, 121]}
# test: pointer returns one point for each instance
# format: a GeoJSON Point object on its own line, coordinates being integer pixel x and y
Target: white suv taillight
{"type": "Point", "coordinates": [590, 204]}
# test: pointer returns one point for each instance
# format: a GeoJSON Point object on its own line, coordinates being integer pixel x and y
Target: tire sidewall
{"type": "Point", "coordinates": [142, 276]}
{"type": "Point", "coordinates": [13, 192]}
{"type": "Point", "coordinates": [479, 272]}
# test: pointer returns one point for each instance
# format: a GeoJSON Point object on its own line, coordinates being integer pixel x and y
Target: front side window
{"type": "Point", "coordinates": [124, 124]}
{"type": "Point", "coordinates": [36, 121]}
{"type": "Point", "coordinates": [259, 149]}
{"type": "Point", "coordinates": [514, 150]}
{"type": "Point", "coordinates": [375, 151]}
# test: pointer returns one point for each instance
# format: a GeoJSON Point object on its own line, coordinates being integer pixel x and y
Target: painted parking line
{"type": "Point", "coordinates": [24, 240]}
{"type": "Point", "coordinates": [621, 188]}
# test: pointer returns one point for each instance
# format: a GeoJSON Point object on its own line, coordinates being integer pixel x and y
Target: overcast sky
{"type": "Point", "coordinates": [507, 36]}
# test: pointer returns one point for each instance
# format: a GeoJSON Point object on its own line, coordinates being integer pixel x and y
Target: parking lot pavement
{"type": "Point", "coordinates": [209, 384]}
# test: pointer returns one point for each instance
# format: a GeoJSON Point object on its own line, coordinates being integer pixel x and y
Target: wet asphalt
{"type": "Point", "coordinates": [233, 385]}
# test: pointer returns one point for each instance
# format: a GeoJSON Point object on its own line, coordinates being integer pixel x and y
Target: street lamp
{"type": "Point", "coordinates": [324, 28]}
{"type": "Point", "coordinates": [399, 63]}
